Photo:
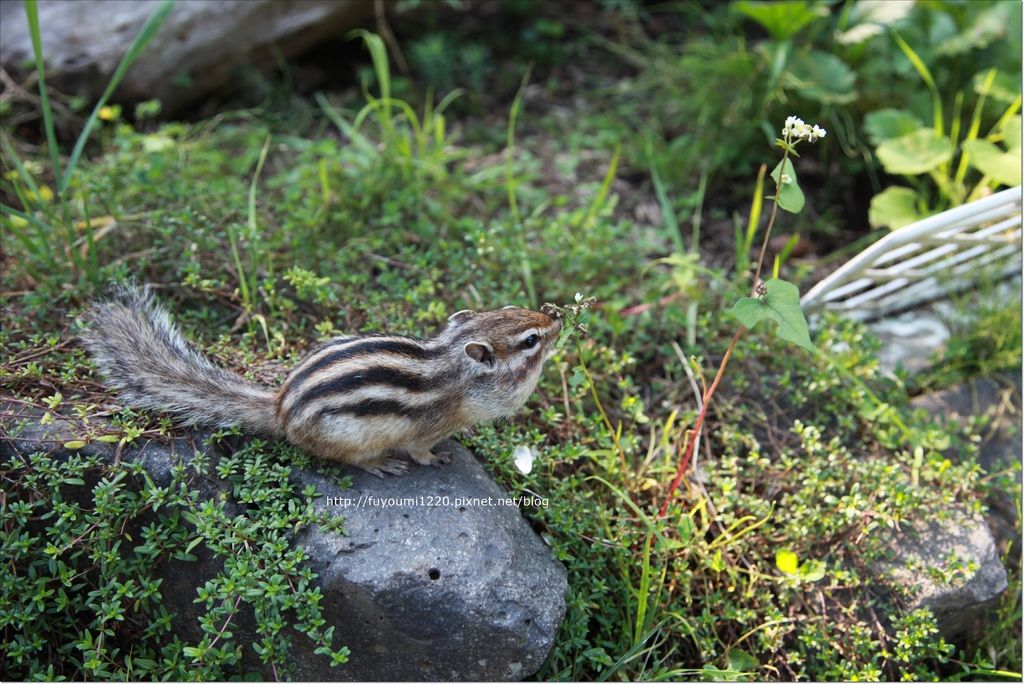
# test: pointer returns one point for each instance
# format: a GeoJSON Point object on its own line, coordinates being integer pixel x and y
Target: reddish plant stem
{"type": "Point", "coordinates": [692, 441]}
{"type": "Point", "coordinates": [706, 400]}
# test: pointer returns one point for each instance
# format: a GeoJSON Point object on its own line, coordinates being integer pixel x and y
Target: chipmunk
{"type": "Point", "coordinates": [353, 399]}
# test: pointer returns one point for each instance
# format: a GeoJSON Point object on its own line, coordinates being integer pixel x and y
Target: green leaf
{"type": "Point", "coordinates": [781, 304]}
{"type": "Point", "coordinates": [1005, 88]}
{"type": "Point", "coordinates": [886, 124]}
{"type": "Point", "coordinates": [994, 162]}
{"type": "Point", "coordinates": [791, 197]}
{"type": "Point", "coordinates": [871, 19]}
{"type": "Point", "coordinates": [812, 570]}
{"type": "Point", "coordinates": [741, 661]}
{"type": "Point", "coordinates": [989, 26]}
{"type": "Point", "coordinates": [823, 78]}
{"type": "Point", "coordinates": [894, 208]}
{"type": "Point", "coordinates": [1011, 134]}
{"type": "Point", "coordinates": [782, 19]}
{"type": "Point", "coordinates": [74, 445]}
{"type": "Point", "coordinates": [914, 153]}
{"type": "Point", "coordinates": [786, 561]}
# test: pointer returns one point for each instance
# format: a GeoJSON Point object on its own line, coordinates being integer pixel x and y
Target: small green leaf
{"type": "Point", "coordinates": [786, 561]}
{"type": "Point", "coordinates": [781, 304]}
{"type": "Point", "coordinates": [109, 439]}
{"type": "Point", "coordinates": [894, 208]}
{"type": "Point", "coordinates": [741, 661]}
{"type": "Point", "coordinates": [685, 527]}
{"type": "Point", "coordinates": [886, 124]}
{"type": "Point", "coordinates": [717, 561]}
{"type": "Point", "coordinates": [812, 570]}
{"type": "Point", "coordinates": [791, 197]}
{"type": "Point", "coordinates": [74, 445]}
{"type": "Point", "coordinates": [914, 153]}
{"type": "Point", "coordinates": [994, 162]}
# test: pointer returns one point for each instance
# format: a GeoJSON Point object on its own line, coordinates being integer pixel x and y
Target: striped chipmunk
{"type": "Point", "coordinates": [357, 400]}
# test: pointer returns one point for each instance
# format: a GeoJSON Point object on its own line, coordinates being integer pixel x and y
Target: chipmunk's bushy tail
{"type": "Point", "coordinates": [144, 356]}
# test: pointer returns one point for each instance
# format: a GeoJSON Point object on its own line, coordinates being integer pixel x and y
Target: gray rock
{"type": "Point", "coordinates": [909, 340]}
{"type": "Point", "coordinates": [1000, 449]}
{"type": "Point", "coordinates": [950, 566]}
{"type": "Point", "coordinates": [438, 578]}
{"type": "Point", "coordinates": [195, 52]}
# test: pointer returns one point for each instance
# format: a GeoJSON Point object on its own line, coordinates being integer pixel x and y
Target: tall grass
{"type": "Point", "coordinates": [44, 226]}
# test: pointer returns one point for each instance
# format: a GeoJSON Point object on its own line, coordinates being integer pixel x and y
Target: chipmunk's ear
{"type": "Point", "coordinates": [482, 354]}
{"type": "Point", "coordinates": [460, 317]}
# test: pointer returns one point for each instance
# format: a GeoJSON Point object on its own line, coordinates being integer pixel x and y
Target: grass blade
{"type": "Point", "coordinates": [510, 187]}
{"type": "Point", "coordinates": [146, 33]}
{"type": "Point", "coordinates": [602, 193]}
{"type": "Point", "coordinates": [667, 212]}
{"type": "Point", "coordinates": [926, 76]}
{"type": "Point", "coordinates": [32, 14]}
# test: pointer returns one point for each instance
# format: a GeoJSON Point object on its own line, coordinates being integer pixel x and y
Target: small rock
{"type": "Point", "coordinates": [909, 340]}
{"type": "Point", "coordinates": [1000, 450]}
{"type": "Point", "coordinates": [940, 550]}
{"type": "Point", "coordinates": [439, 577]}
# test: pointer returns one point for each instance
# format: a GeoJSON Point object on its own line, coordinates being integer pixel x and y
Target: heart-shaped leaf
{"type": "Point", "coordinates": [781, 303]}
{"type": "Point", "coordinates": [914, 153]}
{"type": "Point", "coordinates": [894, 208]}
{"type": "Point", "coordinates": [791, 197]}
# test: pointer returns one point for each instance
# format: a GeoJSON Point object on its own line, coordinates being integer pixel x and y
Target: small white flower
{"type": "Point", "coordinates": [784, 179]}
{"type": "Point", "coordinates": [795, 130]}
{"type": "Point", "coordinates": [523, 458]}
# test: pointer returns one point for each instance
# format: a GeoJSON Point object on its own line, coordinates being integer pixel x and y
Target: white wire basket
{"type": "Point", "coordinates": [933, 258]}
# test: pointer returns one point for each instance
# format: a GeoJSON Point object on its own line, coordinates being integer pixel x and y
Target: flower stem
{"type": "Point", "coordinates": [691, 442]}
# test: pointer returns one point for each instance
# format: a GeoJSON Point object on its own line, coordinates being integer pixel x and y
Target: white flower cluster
{"type": "Point", "coordinates": [795, 130]}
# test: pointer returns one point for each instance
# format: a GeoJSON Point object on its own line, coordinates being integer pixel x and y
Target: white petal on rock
{"type": "Point", "coordinates": [523, 458]}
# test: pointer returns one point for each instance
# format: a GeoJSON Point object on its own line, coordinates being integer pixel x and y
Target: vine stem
{"type": "Point", "coordinates": [692, 441]}
{"type": "Point", "coordinates": [693, 435]}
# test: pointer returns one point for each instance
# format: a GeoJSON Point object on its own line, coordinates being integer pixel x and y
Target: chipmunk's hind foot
{"type": "Point", "coordinates": [426, 456]}
{"type": "Point", "coordinates": [391, 465]}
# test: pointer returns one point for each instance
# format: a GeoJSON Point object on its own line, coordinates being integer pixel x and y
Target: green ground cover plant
{"type": "Point", "coordinates": [749, 553]}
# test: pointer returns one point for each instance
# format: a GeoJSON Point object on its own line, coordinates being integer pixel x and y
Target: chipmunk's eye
{"type": "Point", "coordinates": [531, 342]}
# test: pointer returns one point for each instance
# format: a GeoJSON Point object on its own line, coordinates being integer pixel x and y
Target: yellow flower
{"type": "Point", "coordinates": [110, 112]}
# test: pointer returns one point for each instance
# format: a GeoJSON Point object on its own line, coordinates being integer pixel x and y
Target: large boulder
{"type": "Point", "coordinates": [196, 51]}
{"type": "Point", "coordinates": [438, 576]}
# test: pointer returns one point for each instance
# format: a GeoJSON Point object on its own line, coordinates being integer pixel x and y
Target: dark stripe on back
{"type": "Point", "coordinates": [377, 375]}
{"type": "Point", "coordinates": [382, 407]}
{"type": "Point", "coordinates": [409, 348]}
